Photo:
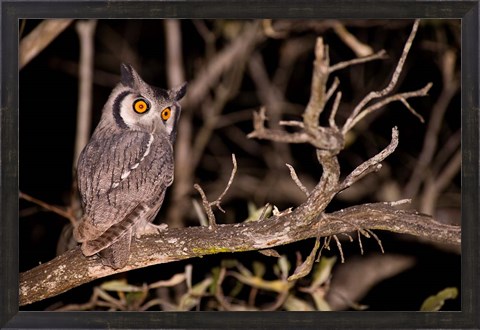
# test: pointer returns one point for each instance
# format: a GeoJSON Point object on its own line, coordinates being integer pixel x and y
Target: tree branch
{"type": "Point", "coordinates": [32, 44]}
{"type": "Point", "coordinates": [72, 269]}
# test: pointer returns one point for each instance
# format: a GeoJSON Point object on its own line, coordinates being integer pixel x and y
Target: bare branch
{"type": "Point", "coordinates": [332, 89]}
{"type": "Point", "coordinates": [351, 41]}
{"type": "Point", "coordinates": [416, 114]}
{"type": "Point", "coordinates": [339, 245]}
{"type": "Point", "coordinates": [317, 100]}
{"type": "Point", "coordinates": [336, 103]}
{"type": "Point", "coordinates": [261, 132]}
{"type": "Point", "coordinates": [297, 181]}
{"type": "Point", "coordinates": [450, 88]}
{"type": "Point", "coordinates": [32, 44]}
{"type": "Point", "coordinates": [371, 165]}
{"type": "Point", "coordinates": [206, 206]}
{"type": "Point", "coordinates": [359, 235]}
{"type": "Point", "coordinates": [396, 74]}
{"type": "Point", "coordinates": [49, 207]}
{"type": "Point", "coordinates": [232, 176]}
{"type": "Point", "coordinates": [72, 269]}
{"type": "Point", "coordinates": [86, 33]}
{"type": "Point", "coordinates": [174, 58]}
{"type": "Point", "coordinates": [382, 54]}
{"type": "Point", "coordinates": [323, 138]}
{"type": "Point", "coordinates": [435, 185]}
{"type": "Point", "coordinates": [397, 97]}
{"type": "Point", "coordinates": [377, 239]}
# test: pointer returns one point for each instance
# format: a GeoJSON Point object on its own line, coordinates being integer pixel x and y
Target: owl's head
{"type": "Point", "coordinates": [137, 105]}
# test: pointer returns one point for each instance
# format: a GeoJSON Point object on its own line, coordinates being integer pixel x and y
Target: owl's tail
{"type": "Point", "coordinates": [92, 244]}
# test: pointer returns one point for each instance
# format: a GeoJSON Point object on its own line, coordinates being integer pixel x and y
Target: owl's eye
{"type": "Point", "coordinates": [166, 113]}
{"type": "Point", "coordinates": [141, 105]}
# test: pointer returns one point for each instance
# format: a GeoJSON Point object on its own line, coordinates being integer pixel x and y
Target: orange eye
{"type": "Point", "coordinates": [166, 113]}
{"type": "Point", "coordinates": [141, 106]}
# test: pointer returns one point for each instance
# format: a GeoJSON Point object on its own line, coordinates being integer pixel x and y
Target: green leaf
{"type": "Point", "coordinates": [323, 270]}
{"type": "Point", "coordinates": [192, 298]}
{"type": "Point", "coordinates": [258, 269]}
{"type": "Point", "coordinates": [320, 302]}
{"type": "Point", "coordinates": [283, 267]}
{"type": "Point", "coordinates": [120, 285]}
{"type": "Point", "coordinates": [293, 304]}
{"type": "Point", "coordinates": [435, 302]}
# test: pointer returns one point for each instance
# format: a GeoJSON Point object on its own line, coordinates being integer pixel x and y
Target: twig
{"type": "Point", "coordinates": [377, 239]}
{"type": "Point", "coordinates": [372, 164]}
{"type": "Point", "coordinates": [397, 97]}
{"type": "Point", "coordinates": [49, 207]}
{"type": "Point", "coordinates": [416, 114]}
{"type": "Point", "coordinates": [380, 55]}
{"type": "Point", "coordinates": [336, 103]}
{"type": "Point", "coordinates": [360, 242]}
{"type": "Point", "coordinates": [317, 100]}
{"type": "Point", "coordinates": [323, 139]}
{"type": "Point", "coordinates": [297, 181]}
{"type": "Point", "coordinates": [232, 176]}
{"type": "Point", "coordinates": [292, 123]}
{"type": "Point", "coordinates": [332, 89]}
{"type": "Point", "coordinates": [349, 236]}
{"type": "Point", "coordinates": [339, 245]}
{"type": "Point", "coordinates": [396, 74]}
{"type": "Point", "coordinates": [207, 206]}
{"type": "Point", "coordinates": [261, 132]}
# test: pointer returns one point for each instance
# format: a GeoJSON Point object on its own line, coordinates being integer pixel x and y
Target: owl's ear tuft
{"type": "Point", "coordinates": [128, 75]}
{"type": "Point", "coordinates": [178, 92]}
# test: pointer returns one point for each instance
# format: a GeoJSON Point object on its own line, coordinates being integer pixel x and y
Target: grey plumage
{"type": "Point", "coordinates": [125, 169]}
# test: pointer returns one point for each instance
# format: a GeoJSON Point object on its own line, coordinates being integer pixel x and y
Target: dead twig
{"type": "Point", "coordinates": [380, 55]}
{"type": "Point", "coordinates": [55, 209]}
{"type": "Point", "coordinates": [297, 181]}
{"type": "Point", "coordinates": [207, 206]}
{"type": "Point", "coordinates": [375, 95]}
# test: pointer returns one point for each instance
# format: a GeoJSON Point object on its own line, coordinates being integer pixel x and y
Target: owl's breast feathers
{"type": "Point", "coordinates": [120, 177]}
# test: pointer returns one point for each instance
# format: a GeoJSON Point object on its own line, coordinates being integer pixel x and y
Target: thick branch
{"type": "Point", "coordinates": [72, 269]}
{"type": "Point", "coordinates": [39, 38]}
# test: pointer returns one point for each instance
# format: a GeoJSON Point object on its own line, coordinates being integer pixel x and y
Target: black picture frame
{"type": "Point", "coordinates": [12, 11]}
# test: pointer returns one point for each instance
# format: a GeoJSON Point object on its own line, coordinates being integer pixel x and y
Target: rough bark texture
{"type": "Point", "coordinates": [72, 269]}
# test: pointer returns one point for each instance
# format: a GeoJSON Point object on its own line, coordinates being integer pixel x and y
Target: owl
{"type": "Point", "coordinates": [126, 167]}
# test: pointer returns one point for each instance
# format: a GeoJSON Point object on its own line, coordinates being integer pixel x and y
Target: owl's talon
{"type": "Point", "coordinates": [150, 229]}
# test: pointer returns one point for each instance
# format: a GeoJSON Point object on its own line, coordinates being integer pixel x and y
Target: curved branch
{"type": "Point", "coordinates": [72, 269]}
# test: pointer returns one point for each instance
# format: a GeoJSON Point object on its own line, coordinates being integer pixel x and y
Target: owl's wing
{"type": "Point", "coordinates": [117, 175]}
